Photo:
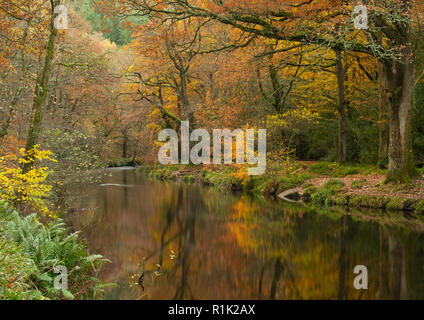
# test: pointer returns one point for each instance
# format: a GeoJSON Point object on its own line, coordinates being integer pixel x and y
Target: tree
{"type": "Point", "coordinates": [308, 22]}
{"type": "Point", "coordinates": [42, 86]}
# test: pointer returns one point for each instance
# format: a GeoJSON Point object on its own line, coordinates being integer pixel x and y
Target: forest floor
{"type": "Point", "coordinates": [321, 183]}
{"type": "Point", "coordinates": [372, 183]}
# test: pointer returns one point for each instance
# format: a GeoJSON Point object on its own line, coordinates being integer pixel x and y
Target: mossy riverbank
{"type": "Point", "coordinates": [227, 178]}
{"type": "Point", "coordinates": [333, 192]}
{"type": "Point", "coordinates": [320, 183]}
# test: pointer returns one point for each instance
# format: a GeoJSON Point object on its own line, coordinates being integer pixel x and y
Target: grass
{"type": "Point", "coordinates": [419, 208]}
{"type": "Point", "coordinates": [324, 194]}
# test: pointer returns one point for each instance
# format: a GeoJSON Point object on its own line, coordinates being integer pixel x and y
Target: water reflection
{"type": "Point", "coordinates": [198, 243]}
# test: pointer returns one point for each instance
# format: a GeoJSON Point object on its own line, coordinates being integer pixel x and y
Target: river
{"type": "Point", "coordinates": [198, 242]}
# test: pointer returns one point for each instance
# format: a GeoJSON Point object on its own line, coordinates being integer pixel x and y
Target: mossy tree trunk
{"type": "Point", "coordinates": [383, 118]}
{"type": "Point", "coordinates": [41, 88]}
{"type": "Point", "coordinates": [277, 88]}
{"type": "Point", "coordinates": [341, 105]}
{"type": "Point", "coordinates": [400, 77]}
{"type": "Point", "coordinates": [400, 80]}
{"type": "Point", "coordinates": [124, 144]}
{"type": "Point", "coordinates": [5, 127]}
{"type": "Point", "coordinates": [185, 103]}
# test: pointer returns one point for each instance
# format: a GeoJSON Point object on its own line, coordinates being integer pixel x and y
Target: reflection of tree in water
{"type": "Point", "coordinates": [391, 280]}
{"type": "Point", "coordinates": [395, 246]}
{"type": "Point", "coordinates": [345, 237]}
{"type": "Point", "coordinates": [269, 236]}
{"type": "Point", "coordinates": [178, 214]}
{"type": "Point", "coordinates": [310, 256]}
{"type": "Point", "coordinates": [187, 242]}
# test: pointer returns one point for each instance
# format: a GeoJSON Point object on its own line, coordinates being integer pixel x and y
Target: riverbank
{"type": "Point", "coordinates": [319, 183]}
{"type": "Point", "coordinates": [29, 252]}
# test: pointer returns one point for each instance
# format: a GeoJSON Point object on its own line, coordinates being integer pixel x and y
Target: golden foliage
{"type": "Point", "coordinates": [28, 188]}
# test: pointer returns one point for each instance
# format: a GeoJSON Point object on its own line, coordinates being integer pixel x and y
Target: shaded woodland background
{"type": "Point", "coordinates": [124, 70]}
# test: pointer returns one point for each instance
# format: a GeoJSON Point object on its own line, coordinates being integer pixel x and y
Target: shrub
{"type": "Point", "coordinates": [28, 188]}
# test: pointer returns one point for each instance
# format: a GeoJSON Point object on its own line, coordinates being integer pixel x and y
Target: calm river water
{"type": "Point", "coordinates": [199, 243]}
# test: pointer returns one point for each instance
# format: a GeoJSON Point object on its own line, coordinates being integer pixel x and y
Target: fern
{"type": "Point", "coordinates": [51, 245]}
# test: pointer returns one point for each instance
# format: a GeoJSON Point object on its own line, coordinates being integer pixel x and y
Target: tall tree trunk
{"type": "Point", "coordinates": [12, 108]}
{"type": "Point", "coordinates": [5, 127]}
{"type": "Point", "coordinates": [400, 79]}
{"type": "Point", "coordinates": [383, 118]}
{"type": "Point", "coordinates": [41, 89]}
{"type": "Point", "coordinates": [124, 144]}
{"type": "Point", "coordinates": [341, 106]}
{"type": "Point", "coordinates": [185, 103]}
{"type": "Point", "coordinates": [188, 112]}
{"type": "Point", "coordinates": [276, 88]}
